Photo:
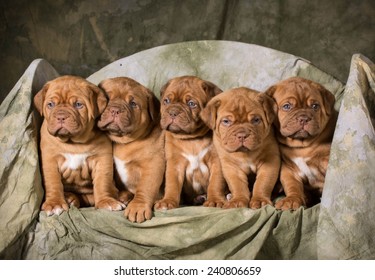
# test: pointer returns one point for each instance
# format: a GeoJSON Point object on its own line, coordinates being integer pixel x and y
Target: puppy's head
{"type": "Point", "coordinates": [241, 118]}
{"type": "Point", "coordinates": [182, 100]}
{"type": "Point", "coordinates": [132, 109]}
{"type": "Point", "coordinates": [304, 108]}
{"type": "Point", "coordinates": [70, 106]}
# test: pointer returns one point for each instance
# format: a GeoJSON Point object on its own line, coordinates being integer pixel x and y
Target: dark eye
{"type": "Point", "coordinates": [192, 104]}
{"type": "Point", "coordinates": [133, 104]}
{"type": "Point", "coordinates": [226, 122]}
{"type": "Point", "coordinates": [287, 107]}
{"type": "Point", "coordinates": [315, 106]}
{"type": "Point", "coordinates": [256, 120]}
{"type": "Point", "coordinates": [167, 101]}
{"type": "Point", "coordinates": [78, 105]}
{"type": "Point", "coordinates": [50, 105]}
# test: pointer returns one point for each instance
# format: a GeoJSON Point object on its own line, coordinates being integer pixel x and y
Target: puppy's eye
{"type": "Point", "coordinates": [78, 105]}
{"type": "Point", "coordinates": [256, 120]}
{"type": "Point", "coordinates": [226, 122]}
{"type": "Point", "coordinates": [192, 104]}
{"type": "Point", "coordinates": [166, 101]}
{"type": "Point", "coordinates": [133, 104]}
{"type": "Point", "coordinates": [287, 107]}
{"type": "Point", "coordinates": [50, 105]}
{"type": "Point", "coordinates": [315, 106]}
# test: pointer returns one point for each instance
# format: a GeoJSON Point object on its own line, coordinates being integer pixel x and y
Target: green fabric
{"type": "Point", "coordinates": [342, 226]}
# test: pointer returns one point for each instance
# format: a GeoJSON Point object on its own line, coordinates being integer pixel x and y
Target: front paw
{"type": "Point", "coordinates": [259, 202]}
{"type": "Point", "coordinates": [215, 202]}
{"type": "Point", "coordinates": [290, 203]}
{"type": "Point", "coordinates": [55, 206]}
{"type": "Point", "coordinates": [109, 203]}
{"type": "Point", "coordinates": [166, 204]}
{"type": "Point", "coordinates": [237, 203]}
{"type": "Point", "coordinates": [138, 212]}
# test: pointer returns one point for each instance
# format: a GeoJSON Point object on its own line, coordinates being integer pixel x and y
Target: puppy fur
{"type": "Point", "coordinates": [242, 119]}
{"type": "Point", "coordinates": [193, 169]}
{"type": "Point", "coordinates": [132, 121]}
{"type": "Point", "coordinates": [305, 125]}
{"type": "Point", "coordinates": [76, 157]}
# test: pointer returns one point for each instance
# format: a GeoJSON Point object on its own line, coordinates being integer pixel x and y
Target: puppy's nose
{"type": "Point", "coordinates": [173, 113]}
{"type": "Point", "coordinates": [115, 111]}
{"type": "Point", "coordinates": [241, 136]}
{"type": "Point", "coordinates": [303, 119]}
{"type": "Point", "coordinates": [61, 116]}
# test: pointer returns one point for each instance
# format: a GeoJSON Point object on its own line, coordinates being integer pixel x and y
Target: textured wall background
{"type": "Point", "coordinates": [80, 37]}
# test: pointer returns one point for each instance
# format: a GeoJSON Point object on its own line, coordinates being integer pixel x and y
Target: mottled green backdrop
{"type": "Point", "coordinates": [80, 37]}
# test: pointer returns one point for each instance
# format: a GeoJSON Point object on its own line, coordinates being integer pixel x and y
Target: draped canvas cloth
{"type": "Point", "coordinates": [340, 227]}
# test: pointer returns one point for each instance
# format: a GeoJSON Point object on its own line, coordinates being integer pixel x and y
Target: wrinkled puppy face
{"type": "Point", "coordinates": [182, 100]}
{"type": "Point", "coordinates": [304, 107]}
{"type": "Point", "coordinates": [70, 106]}
{"type": "Point", "coordinates": [131, 109]}
{"type": "Point", "coordinates": [241, 118]}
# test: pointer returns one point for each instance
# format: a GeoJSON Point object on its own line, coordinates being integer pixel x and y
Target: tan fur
{"type": "Point", "coordinates": [76, 158]}
{"type": "Point", "coordinates": [131, 120]}
{"type": "Point", "coordinates": [193, 168]}
{"type": "Point", "coordinates": [305, 125]}
{"type": "Point", "coordinates": [242, 122]}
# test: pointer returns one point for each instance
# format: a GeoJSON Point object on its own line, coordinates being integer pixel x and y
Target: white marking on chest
{"type": "Point", "coordinates": [121, 169]}
{"type": "Point", "coordinates": [74, 161]}
{"type": "Point", "coordinates": [196, 162]}
{"type": "Point", "coordinates": [304, 169]}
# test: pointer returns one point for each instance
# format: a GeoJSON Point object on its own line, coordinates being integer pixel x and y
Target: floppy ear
{"type": "Point", "coordinates": [211, 89]}
{"type": "Point", "coordinates": [153, 106]}
{"type": "Point", "coordinates": [271, 91]}
{"type": "Point", "coordinates": [100, 100]}
{"type": "Point", "coordinates": [269, 106]}
{"type": "Point", "coordinates": [209, 113]}
{"type": "Point", "coordinates": [39, 98]}
{"type": "Point", "coordinates": [328, 98]}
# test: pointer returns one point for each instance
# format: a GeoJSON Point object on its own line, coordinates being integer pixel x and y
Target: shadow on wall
{"type": "Point", "coordinates": [81, 37]}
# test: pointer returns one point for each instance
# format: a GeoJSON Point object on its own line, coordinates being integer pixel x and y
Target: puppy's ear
{"type": "Point", "coordinates": [328, 98]}
{"type": "Point", "coordinates": [271, 91]}
{"type": "Point", "coordinates": [209, 113]}
{"type": "Point", "coordinates": [163, 88]}
{"type": "Point", "coordinates": [153, 106]}
{"type": "Point", "coordinates": [100, 100]}
{"type": "Point", "coordinates": [211, 89]}
{"type": "Point", "coordinates": [269, 106]}
{"type": "Point", "coordinates": [39, 98]}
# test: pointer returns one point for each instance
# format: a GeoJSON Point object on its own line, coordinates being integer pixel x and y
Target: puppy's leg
{"type": "Point", "coordinates": [140, 208]}
{"type": "Point", "coordinates": [174, 179]}
{"type": "Point", "coordinates": [216, 186]}
{"type": "Point", "coordinates": [238, 186]}
{"type": "Point", "coordinates": [293, 188]}
{"type": "Point", "coordinates": [266, 179]}
{"type": "Point", "coordinates": [55, 202]}
{"type": "Point", "coordinates": [105, 192]}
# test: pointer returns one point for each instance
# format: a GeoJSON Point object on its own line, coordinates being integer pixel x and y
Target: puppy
{"type": "Point", "coordinates": [132, 121]}
{"type": "Point", "coordinates": [76, 157]}
{"type": "Point", "coordinates": [193, 169]}
{"type": "Point", "coordinates": [305, 125]}
{"type": "Point", "coordinates": [241, 119]}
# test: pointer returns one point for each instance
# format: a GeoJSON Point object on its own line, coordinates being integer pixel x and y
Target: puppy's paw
{"type": "Point", "coordinates": [55, 207]}
{"type": "Point", "coordinates": [110, 203]}
{"type": "Point", "coordinates": [214, 202]}
{"type": "Point", "coordinates": [259, 202]}
{"type": "Point", "coordinates": [237, 203]}
{"type": "Point", "coordinates": [290, 203]}
{"type": "Point", "coordinates": [138, 212]}
{"type": "Point", "coordinates": [166, 204]}
{"type": "Point", "coordinates": [125, 197]}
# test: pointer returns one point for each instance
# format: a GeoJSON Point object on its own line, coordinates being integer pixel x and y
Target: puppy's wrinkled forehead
{"type": "Point", "coordinates": [241, 102]}
{"type": "Point", "coordinates": [66, 88]}
{"type": "Point", "coordinates": [122, 87]}
{"type": "Point", "coordinates": [300, 91]}
{"type": "Point", "coordinates": [183, 86]}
